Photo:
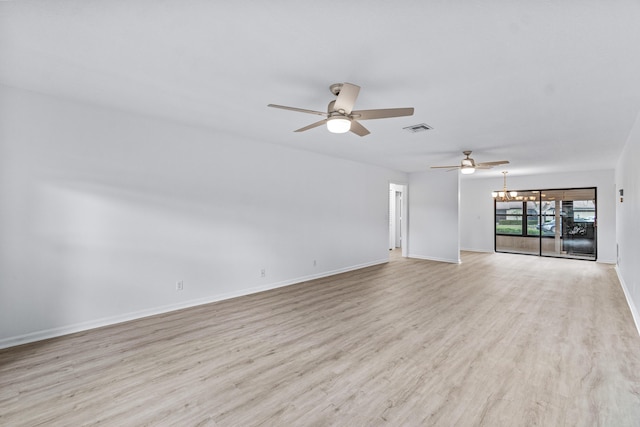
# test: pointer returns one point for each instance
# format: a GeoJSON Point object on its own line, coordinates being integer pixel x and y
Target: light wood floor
{"type": "Point", "coordinates": [500, 340]}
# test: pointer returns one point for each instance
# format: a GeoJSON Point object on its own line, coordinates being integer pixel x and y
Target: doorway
{"type": "Point", "coordinates": [568, 223]}
{"type": "Point", "coordinates": [397, 217]}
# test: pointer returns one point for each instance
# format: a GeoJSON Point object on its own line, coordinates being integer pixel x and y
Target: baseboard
{"type": "Point", "coordinates": [627, 295]}
{"type": "Point", "coordinates": [482, 251]}
{"type": "Point", "coordinates": [108, 321]}
{"type": "Point", "coordinates": [451, 261]}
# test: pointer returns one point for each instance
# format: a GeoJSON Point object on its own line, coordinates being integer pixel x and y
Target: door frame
{"type": "Point", "coordinates": [401, 188]}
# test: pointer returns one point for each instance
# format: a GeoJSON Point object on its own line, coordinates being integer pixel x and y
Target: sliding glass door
{"type": "Point", "coordinates": [568, 227]}
{"type": "Point", "coordinates": [559, 223]}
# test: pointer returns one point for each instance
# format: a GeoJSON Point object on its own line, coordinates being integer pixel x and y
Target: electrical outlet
{"type": "Point", "coordinates": [179, 285]}
{"type": "Point", "coordinates": [263, 272]}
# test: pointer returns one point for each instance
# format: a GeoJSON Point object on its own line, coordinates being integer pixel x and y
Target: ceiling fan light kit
{"type": "Point", "coordinates": [338, 124]}
{"type": "Point", "coordinates": [340, 116]}
{"type": "Point", "coordinates": [467, 170]}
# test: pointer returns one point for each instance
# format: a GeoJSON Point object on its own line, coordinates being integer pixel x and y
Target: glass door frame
{"type": "Point", "coordinates": [522, 244]}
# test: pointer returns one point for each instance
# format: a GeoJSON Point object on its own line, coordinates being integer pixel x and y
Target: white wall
{"type": "Point", "coordinates": [476, 206]}
{"type": "Point", "coordinates": [476, 213]}
{"type": "Point", "coordinates": [102, 212]}
{"type": "Point", "coordinates": [627, 220]}
{"type": "Point", "coordinates": [433, 216]}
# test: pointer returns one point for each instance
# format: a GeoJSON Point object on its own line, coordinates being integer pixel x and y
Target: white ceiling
{"type": "Point", "coordinates": [549, 85]}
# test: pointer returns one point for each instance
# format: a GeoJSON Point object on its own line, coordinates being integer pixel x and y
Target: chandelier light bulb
{"type": "Point", "coordinates": [505, 195]}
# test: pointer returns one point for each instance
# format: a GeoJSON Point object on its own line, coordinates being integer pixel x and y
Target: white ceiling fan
{"type": "Point", "coordinates": [469, 166]}
{"type": "Point", "coordinates": [340, 115]}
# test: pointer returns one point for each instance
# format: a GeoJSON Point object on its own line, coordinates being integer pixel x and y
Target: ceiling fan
{"type": "Point", "coordinates": [340, 115]}
{"type": "Point", "coordinates": [468, 165]}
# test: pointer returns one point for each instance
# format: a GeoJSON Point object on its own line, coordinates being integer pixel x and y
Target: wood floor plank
{"type": "Point", "coordinates": [499, 340]}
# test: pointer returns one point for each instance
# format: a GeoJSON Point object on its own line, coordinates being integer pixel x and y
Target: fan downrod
{"type": "Point", "coordinates": [335, 88]}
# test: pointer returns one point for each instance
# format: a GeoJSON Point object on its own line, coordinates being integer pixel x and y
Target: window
{"type": "Point", "coordinates": [511, 218]}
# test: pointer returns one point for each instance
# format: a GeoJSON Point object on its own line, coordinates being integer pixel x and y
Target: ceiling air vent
{"type": "Point", "coordinates": [418, 128]}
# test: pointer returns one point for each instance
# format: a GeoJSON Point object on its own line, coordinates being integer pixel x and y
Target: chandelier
{"type": "Point", "coordinates": [504, 195]}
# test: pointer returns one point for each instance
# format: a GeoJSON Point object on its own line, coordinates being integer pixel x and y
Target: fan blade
{"type": "Point", "coordinates": [445, 167]}
{"type": "Point", "coordinates": [312, 125]}
{"type": "Point", "coordinates": [358, 129]}
{"type": "Point", "coordinates": [496, 163]}
{"type": "Point", "coordinates": [346, 98]}
{"type": "Point", "coordinates": [300, 110]}
{"type": "Point", "coordinates": [381, 113]}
